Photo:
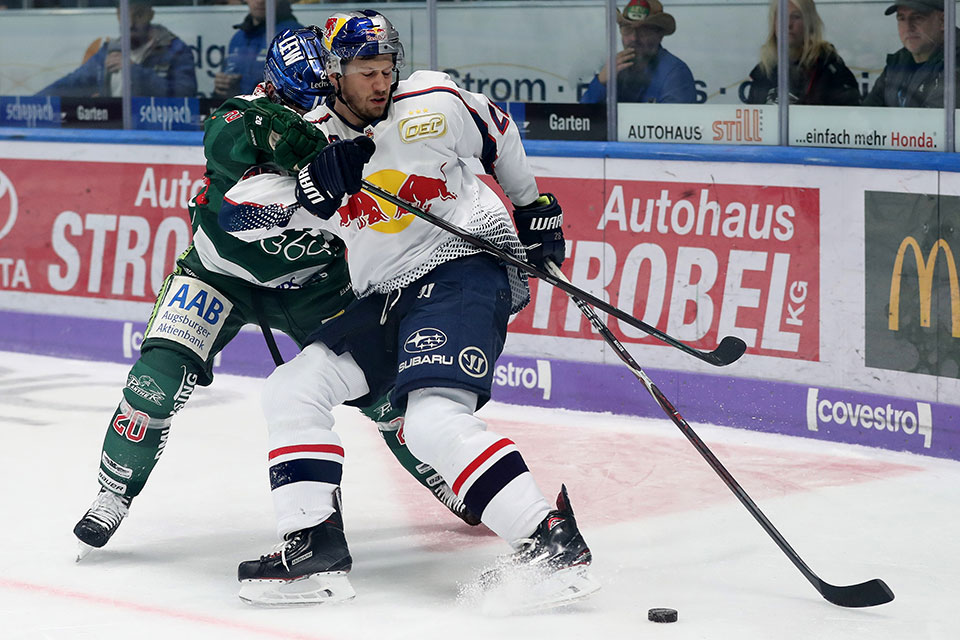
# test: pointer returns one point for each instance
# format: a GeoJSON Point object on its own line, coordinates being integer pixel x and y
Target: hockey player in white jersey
{"type": "Point", "coordinates": [431, 316]}
{"type": "Point", "coordinates": [289, 284]}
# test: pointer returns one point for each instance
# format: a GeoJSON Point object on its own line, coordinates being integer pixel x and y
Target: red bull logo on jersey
{"type": "Point", "coordinates": [364, 210]}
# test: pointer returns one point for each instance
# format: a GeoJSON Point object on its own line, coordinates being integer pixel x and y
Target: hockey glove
{"type": "Point", "coordinates": [282, 133]}
{"type": "Point", "coordinates": [336, 171]}
{"type": "Point", "coordinates": [540, 229]}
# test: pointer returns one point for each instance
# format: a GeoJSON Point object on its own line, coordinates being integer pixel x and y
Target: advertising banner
{"type": "Point", "coordinates": [703, 123]}
{"type": "Point", "coordinates": [28, 111]}
{"type": "Point", "coordinates": [559, 121]}
{"type": "Point", "coordinates": [700, 260]}
{"type": "Point", "coordinates": [904, 128]}
{"type": "Point", "coordinates": [93, 229]}
{"type": "Point", "coordinates": [912, 303]}
{"type": "Point", "coordinates": [835, 415]}
{"type": "Point", "coordinates": [155, 114]}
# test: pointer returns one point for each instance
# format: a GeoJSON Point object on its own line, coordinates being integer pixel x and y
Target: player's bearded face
{"type": "Point", "coordinates": [365, 85]}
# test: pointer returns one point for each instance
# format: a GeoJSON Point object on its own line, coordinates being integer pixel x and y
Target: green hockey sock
{"type": "Point", "coordinates": [131, 448]}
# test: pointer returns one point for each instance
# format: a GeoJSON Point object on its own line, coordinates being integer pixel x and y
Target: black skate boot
{"type": "Point", "coordinates": [557, 542]}
{"type": "Point", "coordinates": [310, 567]}
{"type": "Point", "coordinates": [101, 521]}
{"type": "Point", "coordinates": [550, 568]}
{"type": "Point", "coordinates": [449, 499]}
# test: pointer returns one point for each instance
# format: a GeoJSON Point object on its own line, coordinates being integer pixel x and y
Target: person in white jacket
{"type": "Point", "coordinates": [430, 320]}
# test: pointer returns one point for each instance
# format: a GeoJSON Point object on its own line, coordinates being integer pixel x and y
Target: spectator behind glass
{"type": "Point", "coordinates": [913, 76]}
{"type": "Point", "coordinates": [646, 72]}
{"type": "Point", "coordinates": [818, 74]}
{"type": "Point", "coordinates": [247, 51]}
{"type": "Point", "coordinates": [162, 64]}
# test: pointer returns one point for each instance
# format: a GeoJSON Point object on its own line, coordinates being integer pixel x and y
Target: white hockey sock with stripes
{"type": "Point", "coordinates": [484, 469]}
{"type": "Point", "coordinates": [305, 455]}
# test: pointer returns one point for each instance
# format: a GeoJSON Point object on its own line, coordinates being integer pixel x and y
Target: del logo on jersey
{"type": "Point", "coordinates": [420, 126]}
{"type": "Point", "coordinates": [365, 210]}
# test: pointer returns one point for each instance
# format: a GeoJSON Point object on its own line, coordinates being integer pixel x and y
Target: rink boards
{"type": "Point", "coordinates": [841, 279]}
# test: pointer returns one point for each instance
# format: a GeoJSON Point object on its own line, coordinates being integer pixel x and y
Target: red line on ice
{"type": "Point", "coordinates": [160, 611]}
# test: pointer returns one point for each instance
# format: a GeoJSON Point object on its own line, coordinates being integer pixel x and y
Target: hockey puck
{"type": "Point", "coordinates": [662, 615]}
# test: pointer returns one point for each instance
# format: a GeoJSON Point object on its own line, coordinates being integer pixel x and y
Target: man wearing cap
{"type": "Point", "coordinates": [646, 72]}
{"type": "Point", "coordinates": [162, 64]}
{"type": "Point", "coordinates": [913, 76]}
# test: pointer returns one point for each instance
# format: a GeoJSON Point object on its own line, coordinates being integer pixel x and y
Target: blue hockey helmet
{"type": "Point", "coordinates": [295, 69]}
{"type": "Point", "coordinates": [355, 34]}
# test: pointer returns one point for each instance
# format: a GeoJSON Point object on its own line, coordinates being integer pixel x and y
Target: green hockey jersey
{"type": "Point", "coordinates": [291, 260]}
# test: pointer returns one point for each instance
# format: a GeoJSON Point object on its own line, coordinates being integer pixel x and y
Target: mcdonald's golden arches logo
{"type": "Point", "coordinates": [925, 269]}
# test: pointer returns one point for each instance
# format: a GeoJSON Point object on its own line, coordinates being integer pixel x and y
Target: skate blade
{"type": "Point", "coordinates": [530, 591]}
{"type": "Point", "coordinates": [318, 588]}
{"type": "Point", "coordinates": [83, 550]}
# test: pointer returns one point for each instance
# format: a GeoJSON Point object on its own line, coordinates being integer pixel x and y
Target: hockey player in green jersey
{"type": "Point", "coordinates": [293, 283]}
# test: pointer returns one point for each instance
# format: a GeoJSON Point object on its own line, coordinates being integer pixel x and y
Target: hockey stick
{"type": "Point", "coordinates": [728, 351]}
{"type": "Point", "coordinates": [866, 594]}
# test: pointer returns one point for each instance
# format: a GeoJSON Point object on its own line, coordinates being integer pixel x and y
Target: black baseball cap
{"type": "Point", "coordinates": [924, 6]}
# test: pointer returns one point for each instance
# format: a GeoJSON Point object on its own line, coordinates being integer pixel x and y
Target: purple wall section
{"type": "Point", "coordinates": [835, 415]}
{"type": "Point", "coordinates": [119, 341]}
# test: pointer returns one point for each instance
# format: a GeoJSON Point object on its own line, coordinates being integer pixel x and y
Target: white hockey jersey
{"type": "Point", "coordinates": [429, 130]}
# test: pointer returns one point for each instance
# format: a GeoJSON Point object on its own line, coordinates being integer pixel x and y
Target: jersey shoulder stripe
{"type": "Point", "coordinates": [425, 91]}
{"type": "Point", "coordinates": [322, 119]}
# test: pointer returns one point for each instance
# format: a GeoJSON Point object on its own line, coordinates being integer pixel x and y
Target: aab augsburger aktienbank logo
{"type": "Point", "coordinates": [8, 205]}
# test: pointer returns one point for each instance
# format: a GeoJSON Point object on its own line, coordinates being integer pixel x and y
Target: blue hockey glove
{"type": "Point", "coordinates": [335, 172]}
{"type": "Point", "coordinates": [540, 229]}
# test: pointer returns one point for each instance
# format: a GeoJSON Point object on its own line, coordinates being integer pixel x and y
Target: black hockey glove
{"type": "Point", "coordinates": [540, 229]}
{"type": "Point", "coordinates": [336, 171]}
{"type": "Point", "coordinates": [282, 133]}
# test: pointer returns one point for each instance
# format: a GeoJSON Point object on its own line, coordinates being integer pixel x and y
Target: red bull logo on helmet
{"type": "Point", "coordinates": [331, 28]}
{"type": "Point", "coordinates": [364, 210]}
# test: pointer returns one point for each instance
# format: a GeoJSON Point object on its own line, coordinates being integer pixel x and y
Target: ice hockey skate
{"type": "Point", "coordinates": [310, 567]}
{"type": "Point", "coordinates": [101, 520]}
{"type": "Point", "coordinates": [549, 570]}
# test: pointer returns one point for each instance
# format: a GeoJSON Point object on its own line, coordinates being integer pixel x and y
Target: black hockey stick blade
{"type": "Point", "coordinates": [727, 352]}
{"type": "Point", "coordinates": [866, 594]}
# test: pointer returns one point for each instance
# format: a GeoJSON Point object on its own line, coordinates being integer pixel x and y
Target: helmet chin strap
{"type": "Point", "coordinates": [339, 96]}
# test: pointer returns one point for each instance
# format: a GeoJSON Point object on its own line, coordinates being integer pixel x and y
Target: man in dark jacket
{"type": "Point", "coordinates": [913, 76]}
{"type": "Point", "coordinates": [247, 51]}
{"type": "Point", "coordinates": [163, 64]}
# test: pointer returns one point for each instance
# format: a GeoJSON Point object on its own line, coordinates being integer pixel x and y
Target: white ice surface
{"type": "Point", "coordinates": [664, 530]}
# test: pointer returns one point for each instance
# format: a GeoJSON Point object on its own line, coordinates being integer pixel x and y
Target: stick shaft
{"type": "Point", "coordinates": [730, 348]}
{"type": "Point", "coordinates": [867, 594]}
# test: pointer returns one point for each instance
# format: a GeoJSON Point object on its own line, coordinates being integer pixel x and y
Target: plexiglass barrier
{"type": "Point", "coordinates": [688, 71]}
